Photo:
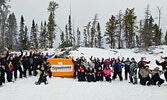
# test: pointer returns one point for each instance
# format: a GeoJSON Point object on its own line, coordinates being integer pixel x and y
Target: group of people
{"type": "Point", "coordinates": [11, 64]}
{"type": "Point", "coordinates": [97, 70]}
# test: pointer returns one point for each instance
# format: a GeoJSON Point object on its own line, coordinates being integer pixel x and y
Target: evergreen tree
{"type": "Point", "coordinates": [67, 35]}
{"type": "Point", "coordinates": [85, 38]}
{"type": "Point", "coordinates": [93, 30]}
{"type": "Point", "coordinates": [99, 37]}
{"type": "Point", "coordinates": [22, 32]}
{"type": "Point", "coordinates": [43, 35]}
{"type": "Point", "coordinates": [110, 31]}
{"type": "Point", "coordinates": [78, 37]}
{"type": "Point", "coordinates": [70, 31]}
{"type": "Point", "coordinates": [51, 30]}
{"type": "Point", "coordinates": [62, 37]}
{"type": "Point", "coordinates": [157, 35]}
{"type": "Point", "coordinates": [26, 39]}
{"type": "Point", "coordinates": [11, 35]}
{"type": "Point", "coordinates": [129, 27]}
{"type": "Point", "coordinates": [51, 23]}
{"type": "Point", "coordinates": [166, 38]}
{"type": "Point", "coordinates": [34, 32]}
{"type": "Point", "coordinates": [4, 12]}
{"type": "Point", "coordinates": [119, 29]}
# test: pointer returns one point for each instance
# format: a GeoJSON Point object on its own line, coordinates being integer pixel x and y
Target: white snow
{"type": "Point", "coordinates": [70, 89]}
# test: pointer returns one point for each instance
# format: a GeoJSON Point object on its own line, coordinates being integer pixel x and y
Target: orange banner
{"type": "Point", "coordinates": [62, 67]}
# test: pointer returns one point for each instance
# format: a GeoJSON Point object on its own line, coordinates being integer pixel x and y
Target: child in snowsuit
{"type": "Point", "coordinates": [91, 75]}
{"type": "Point", "coordinates": [43, 75]}
{"type": "Point", "coordinates": [107, 73]}
{"type": "Point", "coordinates": [133, 71]}
{"type": "Point", "coordinates": [81, 73]}
{"type": "Point", "coordinates": [118, 70]}
{"type": "Point", "coordinates": [99, 74]}
{"type": "Point", "coordinates": [145, 78]}
{"type": "Point", "coordinates": [156, 77]}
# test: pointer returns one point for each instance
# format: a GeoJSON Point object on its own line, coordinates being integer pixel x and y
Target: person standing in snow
{"type": "Point", "coordinates": [118, 70]}
{"type": "Point", "coordinates": [156, 73]}
{"type": "Point", "coordinates": [145, 78]}
{"type": "Point", "coordinates": [76, 66]}
{"type": "Point", "coordinates": [164, 67]}
{"type": "Point", "coordinates": [4, 67]}
{"type": "Point", "coordinates": [36, 62]}
{"type": "Point", "coordinates": [16, 65]}
{"type": "Point", "coordinates": [26, 65]}
{"type": "Point", "coordinates": [127, 65]}
{"type": "Point", "coordinates": [133, 71]}
{"type": "Point", "coordinates": [107, 73]}
{"type": "Point", "coordinates": [91, 75]}
{"type": "Point", "coordinates": [86, 65]}
{"type": "Point", "coordinates": [10, 65]}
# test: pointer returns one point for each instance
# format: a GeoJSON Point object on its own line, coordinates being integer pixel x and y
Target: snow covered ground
{"type": "Point", "coordinates": [70, 89]}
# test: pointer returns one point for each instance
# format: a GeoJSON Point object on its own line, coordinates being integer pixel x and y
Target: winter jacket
{"type": "Point", "coordinates": [90, 72]}
{"type": "Point", "coordinates": [4, 61]}
{"type": "Point", "coordinates": [16, 60]}
{"type": "Point", "coordinates": [49, 56]}
{"type": "Point", "coordinates": [107, 72]}
{"type": "Point", "coordinates": [26, 61]}
{"type": "Point", "coordinates": [163, 64]}
{"type": "Point", "coordinates": [86, 65]}
{"type": "Point", "coordinates": [118, 67]}
{"type": "Point", "coordinates": [91, 64]}
{"type": "Point", "coordinates": [99, 73]}
{"type": "Point", "coordinates": [142, 64]}
{"type": "Point", "coordinates": [144, 73]}
{"type": "Point", "coordinates": [127, 65]}
{"type": "Point", "coordinates": [133, 67]}
{"type": "Point", "coordinates": [46, 65]}
{"type": "Point", "coordinates": [36, 59]}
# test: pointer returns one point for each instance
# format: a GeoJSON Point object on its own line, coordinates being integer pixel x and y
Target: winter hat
{"type": "Point", "coordinates": [165, 57]}
{"type": "Point", "coordinates": [133, 59]}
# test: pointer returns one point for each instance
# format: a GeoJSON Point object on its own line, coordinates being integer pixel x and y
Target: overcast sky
{"type": "Point", "coordinates": [84, 10]}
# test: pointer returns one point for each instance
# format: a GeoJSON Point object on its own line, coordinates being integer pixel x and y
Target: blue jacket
{"type": "Point", "coordinates": [49, 56]}
{"type": "Point", "coordinates": [119, 65]}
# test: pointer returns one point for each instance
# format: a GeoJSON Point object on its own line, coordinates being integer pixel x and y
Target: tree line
{"type": "Point", "coordinates": [122, 31]}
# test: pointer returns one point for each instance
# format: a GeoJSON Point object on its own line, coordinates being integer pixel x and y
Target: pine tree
{"type": "Point", "coordinates": [26, 39]}
{"type": "Point", "coordinates": [51, 30]}
{"type": "Point", "coordinates": [11, 35]}
{"type": "Point", "coordinates": [62, 37]}
{"type": "Point", "coordinates": [88, 28]}
{"type": "Point", "coordinates": [157, 35]}
{"type": "Point", "coordinates": [119, 29]}
{"type": "Point", "coordinates": [129, 27]}
{"type": "Point", "coordinates": [51, 23]}
{"type": "Point", "coordinates": [34, 32]}
{"type": "Point", "coordinates": [4, 12]}
{"type": "Point", "coordinates": [85, 38]}
{"type": "Point", "coordinates": [43, 35]}
{"type": "Point", "coordinates": [22, 32]}
{"type": "Point", "coordinates": [67, 35]}
{"type": "Point", "coordinates": [110, 31]}
{"type": "Point", "coordinates": [99, 37]}
{"type": "Point", "coordinates": [70, 31]}
{"type": "Point", "coordinates": [93, 30]}
{"type": "Point", "coordinates": [166, 38]}
{"type": "Point", "coordinates": [78, 37]}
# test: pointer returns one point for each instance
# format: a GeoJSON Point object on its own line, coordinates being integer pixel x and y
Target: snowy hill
{"type": "Point", "coordinates": [70, 89]}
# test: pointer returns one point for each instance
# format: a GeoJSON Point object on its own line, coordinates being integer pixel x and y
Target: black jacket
{"type": "Point", "coordinates": [163, 64]}
{"type": "Point", "coordinates": [4, 61]}
{"type": "Point", "coordinates": [16, 60]}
